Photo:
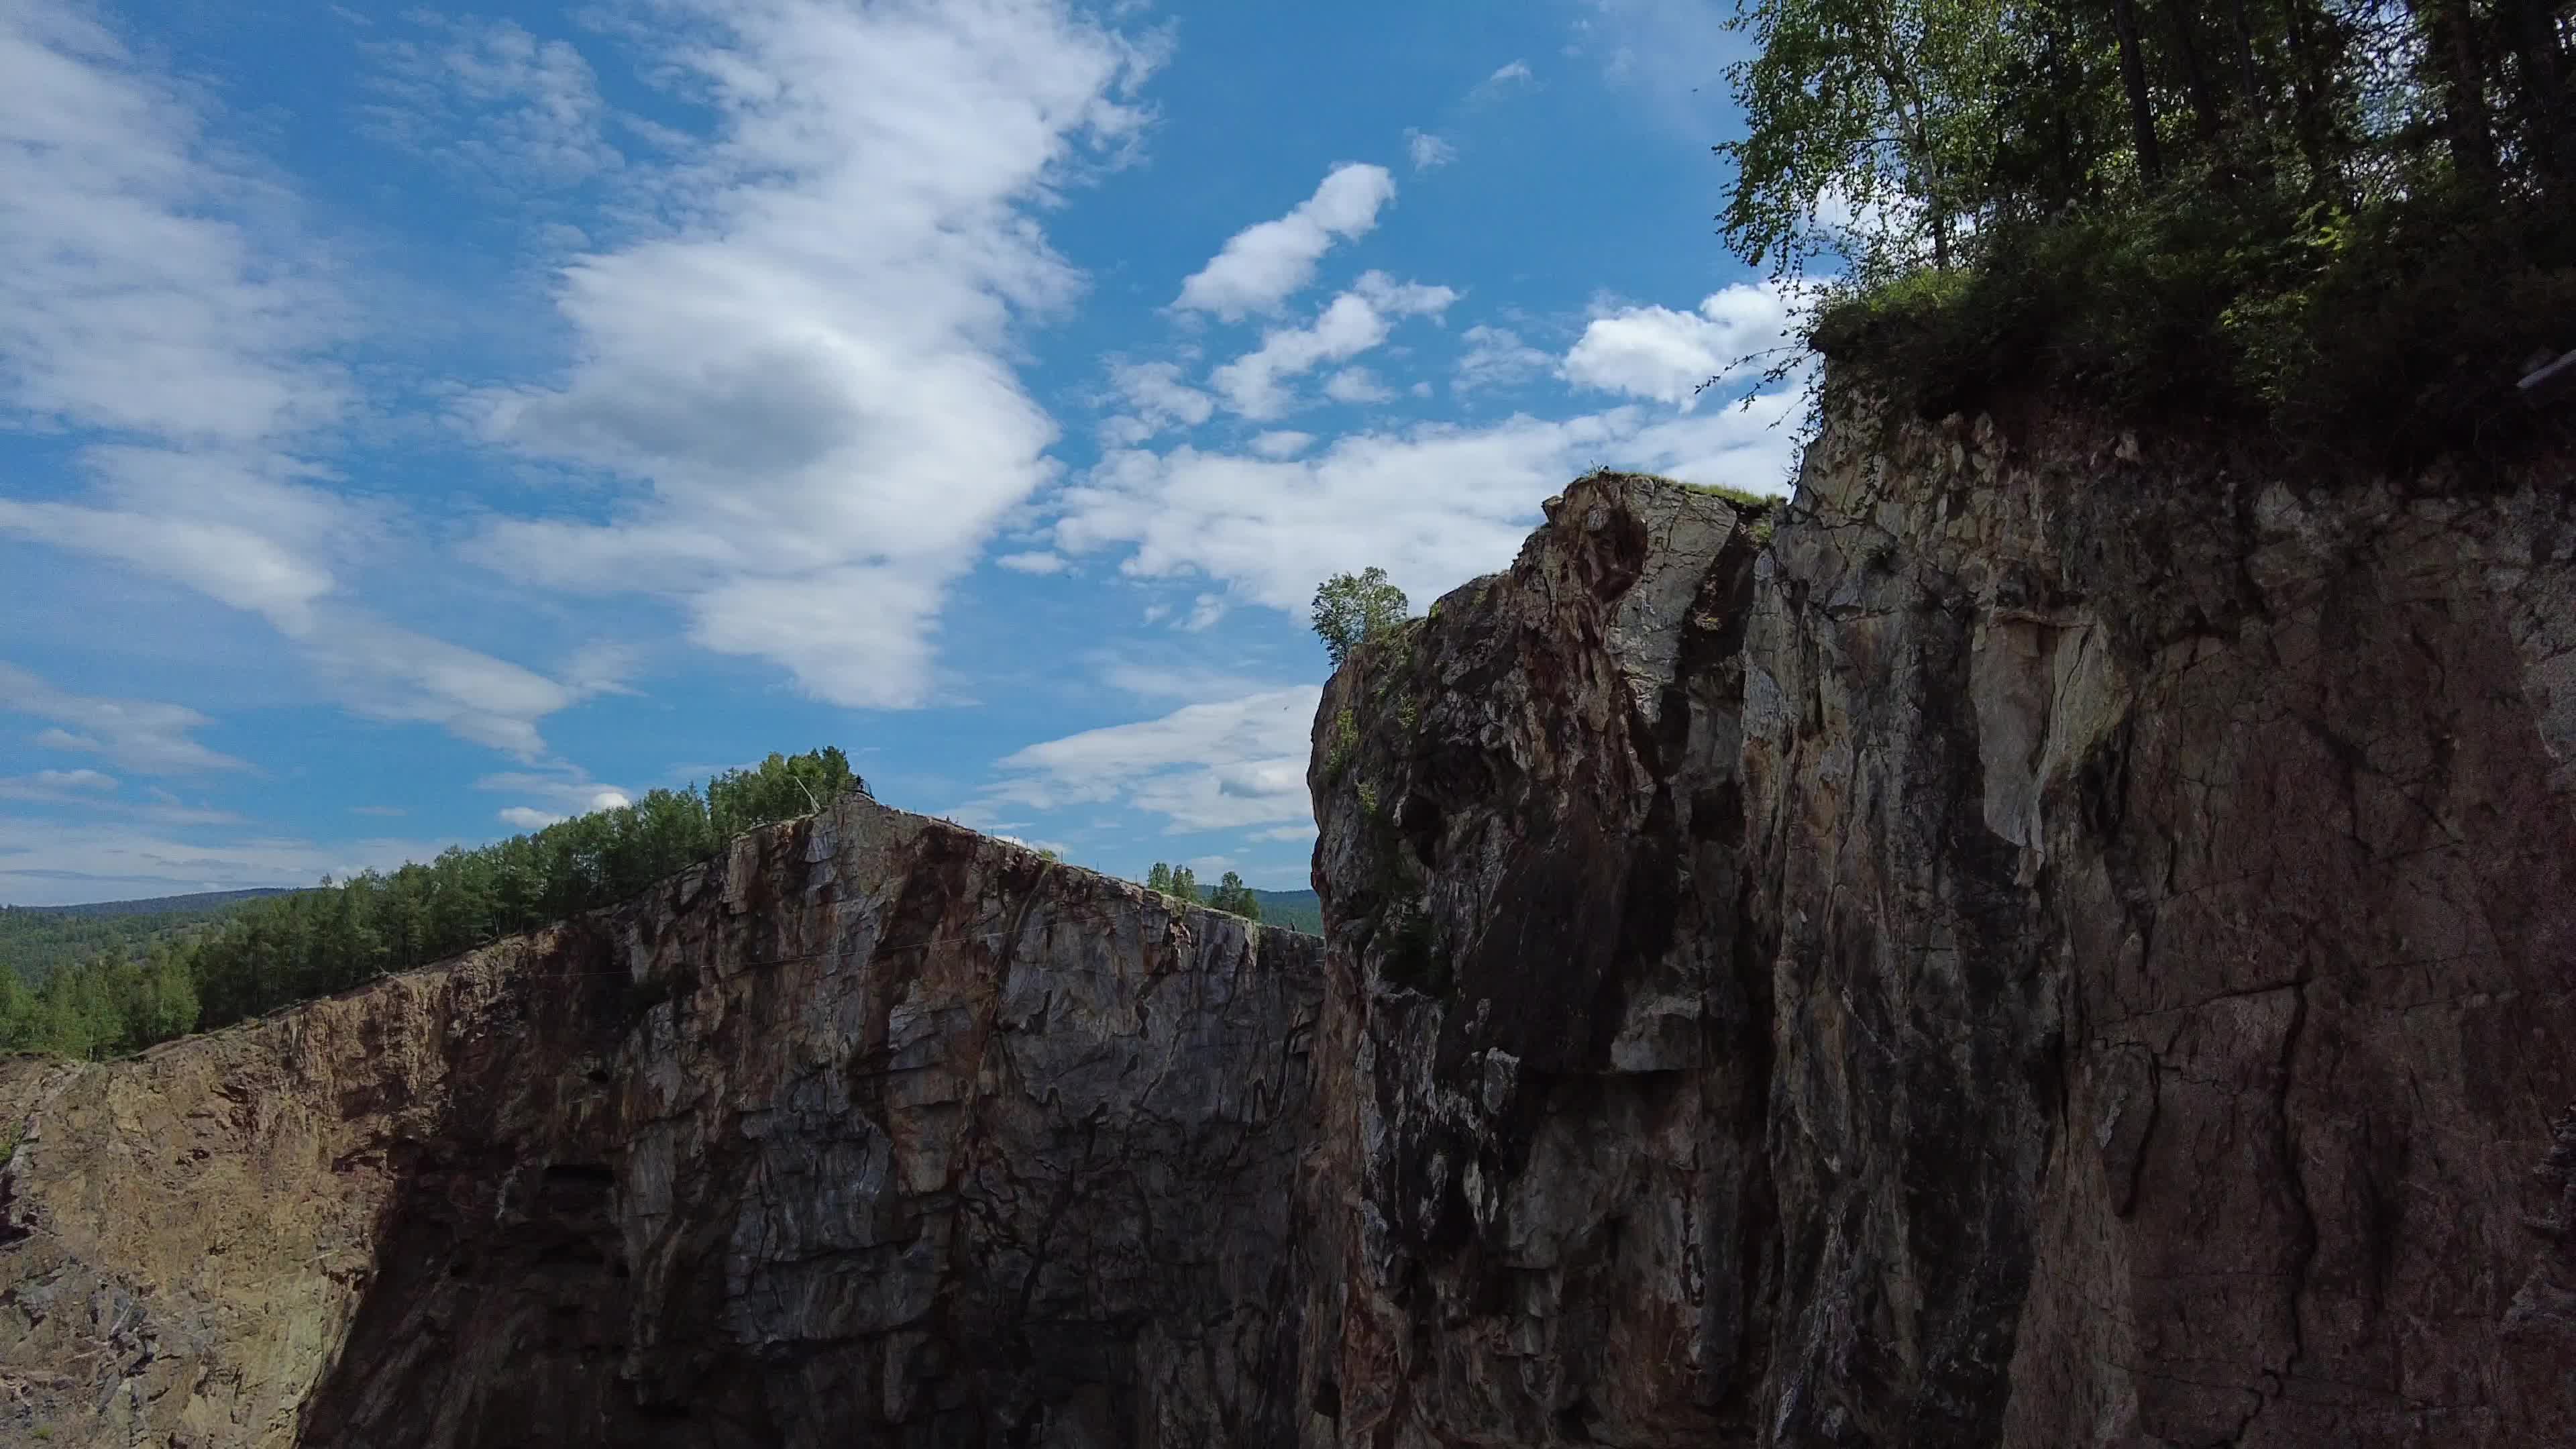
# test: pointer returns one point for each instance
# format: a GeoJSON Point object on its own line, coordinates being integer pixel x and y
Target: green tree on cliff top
{"type": "Point", "coordinates": [1353, 608]}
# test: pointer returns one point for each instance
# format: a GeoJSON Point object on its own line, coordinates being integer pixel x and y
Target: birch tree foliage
{"type": "Point", "coordinates": [2349, 220]}
{"type": "Point", "coordinates": [1866, 119]}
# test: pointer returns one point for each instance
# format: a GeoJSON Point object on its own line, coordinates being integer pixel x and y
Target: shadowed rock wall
{"type": "Point", "coordinates": [2068, 941]}
{"type": "Point", "coordinates": [875, 1131]}
{"type": "Point", "coordinates": [1546, 1036]}
{"type": "Point", "coordinates": [2073, 943]}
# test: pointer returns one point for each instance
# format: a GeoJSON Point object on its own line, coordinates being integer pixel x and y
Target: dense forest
{"type": "Point", "coordinates": [34, 940]}
{"type": "Point", "coordinates": [289, 948]}
{"type": "Point", "coordinates": [1296, 910]}
{"type": "Point", "coordinates": [2344, 220]}
{"type": "Point", "coordinates": [1229, 895]}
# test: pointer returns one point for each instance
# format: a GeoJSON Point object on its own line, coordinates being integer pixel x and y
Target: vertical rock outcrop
{"type": "Point", "coordinates": [2046, 939]}
{"type": "Point", "coordinates": [1546, 1052]}
{"type": "Point", "coordinates": [2169, 872]}
{"type": "Point", "coordinates": [2073, 943]}
{"type": "Point", "coordinates": [873, 1131]}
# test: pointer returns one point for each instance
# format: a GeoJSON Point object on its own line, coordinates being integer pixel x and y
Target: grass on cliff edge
{"type": "Point", "coordinates": [2378, 337]}
{"type": "Point", "coordinates": [1755, 503]}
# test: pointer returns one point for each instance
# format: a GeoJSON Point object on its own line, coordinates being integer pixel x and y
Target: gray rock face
{"type": "Point", "coordinates": [2170, 879]}
{"type": "Point", "coordinates": [1543, 1040]}
{"type": "Point", "coordinates": [2073, 944]}
{"type": "Point", "coordinates": [2068, 941]}
{"type": "Point", "coordinates": [876, 1132]}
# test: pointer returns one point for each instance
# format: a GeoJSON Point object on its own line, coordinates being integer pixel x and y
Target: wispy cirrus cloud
{"type": "Point", "coordinates": [493, 97]}
{"type": "Point", "coordinates": [49, 861]}
{"type": "Point", "coordinates": [139, 287]}
{"type": "Point", "coordinates": [1670, 55]}
{"type": "Point", "coordinates": [1255, 384]}
{"type": "Point", "coordinates": [58, 786]}
{"type": "Point", "coordinates": [162, 305]}
{"type": "Point", "coordinates": [143, 309]}
{"type": "Point", "coordinates": [145, 736]}
{"type": "Point", "coordinates": [1496, 357]}
{"type": "Point", "coordinates": [1213, 765]}
{"type": "Point", "coordinates": [801, 391]}
{"type": "Point", "coordinates": [1507, 77]}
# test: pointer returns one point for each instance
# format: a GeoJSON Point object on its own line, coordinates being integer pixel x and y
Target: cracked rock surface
{"type": "Point", "coordinates": [2049, 939]}
{"type": "Point", "coordinates": [874, 1131]}
{"type": "Point", "coordinates": [1543, 1032]}
{"type": "Point", "coordinates": [2073, 943]}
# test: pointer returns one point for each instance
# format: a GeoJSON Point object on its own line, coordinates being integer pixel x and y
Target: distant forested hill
{"type": "Point", "coordinates": [36, 939]}
{"type": "Point", "coordinates": [1297, 910]}
{"type": "Point", "coordinates": [153, 905]}
{"type": "Point", "coordinates": [119, 983]}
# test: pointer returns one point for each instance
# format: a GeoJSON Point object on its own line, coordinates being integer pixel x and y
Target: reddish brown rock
{"type": "Point", "coordinates": [2073, 943]}
{"type": "Point", "coordinates": [2052, 940]}
{"type": "Point", "coordinates": [875, 1131]}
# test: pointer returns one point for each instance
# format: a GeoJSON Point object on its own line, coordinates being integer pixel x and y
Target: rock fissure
{"type": "Point", "coordinates": [2024, 947]}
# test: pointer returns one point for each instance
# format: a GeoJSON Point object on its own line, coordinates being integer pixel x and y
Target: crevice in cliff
{"type": "Point", "coordinates": [2305, 1238]}
{"type": "Point", "coordinates": [1724, 983]}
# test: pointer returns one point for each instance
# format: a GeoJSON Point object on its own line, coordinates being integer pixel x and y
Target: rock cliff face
{"type": "Point", "coordinates": [2049, 939]}
{"type": "Point", "coordinates": [875, 1131]}
{"type": "Point", "coordinates": [2073, 943]}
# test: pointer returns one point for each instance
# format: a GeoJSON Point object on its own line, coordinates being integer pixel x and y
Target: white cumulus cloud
{"type": "Point", "coordinates": [1656, 352]}
{"type": "Point", "coordinates": [1263, 265]}
{"type": "Point", "coordinates": [1282, 443]}
{"type": "Point", "coordinates": [1157, 399]}
{"type": "Point", "coordinates": [804, 387]}
{"type": "Point", "coordinates": [1356, 385]}
{"type": "Point", "coordinates": [1255, 385]}
{"type": "Point", "coordinates": [1433, 504]}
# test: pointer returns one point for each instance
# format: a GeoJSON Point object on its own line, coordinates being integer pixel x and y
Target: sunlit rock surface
{"type": "Point", "coordinates": [2071, 943]}
{"type": "Point", "coordinates": [2050, 939]}
{"type": "Point", "coordinates": [874, 1131]}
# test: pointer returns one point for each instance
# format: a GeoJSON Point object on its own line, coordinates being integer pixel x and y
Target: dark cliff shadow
{"type": "Point", "coordinates": [679, 1218]}
{"type": "Point", "coordinates": [499, 1307]}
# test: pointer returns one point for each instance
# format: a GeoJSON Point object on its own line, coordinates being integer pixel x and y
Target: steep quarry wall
{"type": "Point", "coordinates": [874, 1131]}
{"type": "Point", "coordinates": [1546, 1038]}
{"type": "Point", "coordinates": [2073, 943]}
{"type": "Point", "coordinates": [2169, 878]}
{"type": "Point", "coordinates": [2050, 939]}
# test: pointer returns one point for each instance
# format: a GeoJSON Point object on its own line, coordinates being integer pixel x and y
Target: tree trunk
{"type": "Point", "coordinates": [2452, 50]}
{"type": "Point", "coordinates": [2183, 16]}
{"type": "Point", "coordinates": [2248, 78]}
{"type": "Point", "coordinates": [2311, 75]}
{"type": "Point", "coordinates": [2133, 77]}
{"type": "Point", "coordinates": [2549, 130]}
{"type": "Point", "coordinates": [2069, 150]}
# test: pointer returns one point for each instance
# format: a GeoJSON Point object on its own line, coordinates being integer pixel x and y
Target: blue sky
{"type": "Point", "coordinates": [419, 424]}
